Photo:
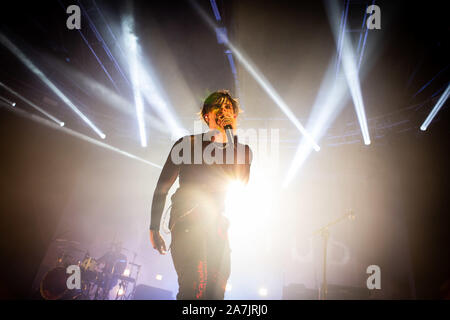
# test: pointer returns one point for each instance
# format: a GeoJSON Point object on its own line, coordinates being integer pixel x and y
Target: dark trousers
{"type": "Point", "coordinates": [201, 256]}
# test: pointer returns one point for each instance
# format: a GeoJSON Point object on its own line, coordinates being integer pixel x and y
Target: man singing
{"type": "Point", "coordinates": [205, 164]}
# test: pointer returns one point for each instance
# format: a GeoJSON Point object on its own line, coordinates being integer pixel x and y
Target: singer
{"type": "Point", "coordinates": [200, 248]}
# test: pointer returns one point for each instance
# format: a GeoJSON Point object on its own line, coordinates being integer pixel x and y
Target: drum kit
{"type": "Point", "coordinates": [110, 277]}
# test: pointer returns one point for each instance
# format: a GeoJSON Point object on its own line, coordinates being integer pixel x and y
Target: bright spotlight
{"type": "Point", "coordinates": [12, 104]}
{"type": "Point", "coordinates": [247, 205]}
{"type": "Point", "coordinates": [436, 109]}
{"type": "Point", "coordinates": [27, 62]}
{"type": "Point", "coordinates": [248, 209]}
{"type": "Point", "coordinates": [32, 104]}
{"type": "Point", "coordinates": [259, 77]}
{"type": "Point", "coordinates": [159, 277]}
{"type": "Point", "coordinates": [262, 292]}
{"type": "Point", "coordinates": [120, 292]}
{"type": "Point", "coordinates": [127, 272]}
{"type": "Point", "coordinates": [235, 194]}
{"type": "Point", "coordinates": [355, 89]}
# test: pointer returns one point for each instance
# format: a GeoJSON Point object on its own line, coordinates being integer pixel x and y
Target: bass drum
{"type": "Point", "coordinates": [54, 285]}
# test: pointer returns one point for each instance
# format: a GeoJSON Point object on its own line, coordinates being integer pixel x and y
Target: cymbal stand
{"type": "Point", "coordinates": [137, 267]}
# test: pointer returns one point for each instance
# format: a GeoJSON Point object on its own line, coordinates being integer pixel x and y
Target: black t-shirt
{"type": "Point", "coordinates": [205, 169]}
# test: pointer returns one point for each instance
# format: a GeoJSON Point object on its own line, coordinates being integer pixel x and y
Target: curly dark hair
{"type": "Point", "coordinates": [216, 98]}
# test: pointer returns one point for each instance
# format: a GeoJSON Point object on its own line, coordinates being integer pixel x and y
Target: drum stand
{"type": "Point", "coordinates": [324, 232]}
{"type": "Point", "coordinates": [134, 268]}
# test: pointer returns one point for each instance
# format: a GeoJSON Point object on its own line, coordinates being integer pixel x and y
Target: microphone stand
{"type": "Point", "coordinates": [325, 233]}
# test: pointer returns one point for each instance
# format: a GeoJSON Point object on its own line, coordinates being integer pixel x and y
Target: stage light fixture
{"type": "Point", "coordinates": [436, 109]}
{"type": "Point", "coordinates": [9, 102]}
{"type": "Point", "coordinates": [59, 122]}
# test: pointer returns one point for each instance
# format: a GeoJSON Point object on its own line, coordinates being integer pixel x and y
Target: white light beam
{"type": "Point", "coordinates": [27, 62]}
{"type": "Point", "coordinates": [11, 103]}
{"type": "Point", "coordinates": [133, 50]}
{"type": "Point", "coordinates": [81, 136]}
{"type": "Point", "coordinates": [436, 109]}
{"type": "Point", "coordinates": [348, 60]}
{"type": "Point", "coordinates": [258, 76]}
{"type": "Point", "coordinates": [32, 104]}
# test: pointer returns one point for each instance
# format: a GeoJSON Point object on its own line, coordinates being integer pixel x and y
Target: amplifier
{"type": "Point", "coordinates": [144, 292]}
{"type": "Point", "coordinates": [335, 292]}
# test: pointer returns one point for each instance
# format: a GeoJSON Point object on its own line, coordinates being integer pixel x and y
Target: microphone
{"type": "Point", "coordinates": [228, 130]}
{"type": "Point", "coordinates": [230, 136]}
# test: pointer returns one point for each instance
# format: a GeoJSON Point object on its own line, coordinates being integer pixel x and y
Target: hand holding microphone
{"type": "Point", "coordinates": [225, 121]}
